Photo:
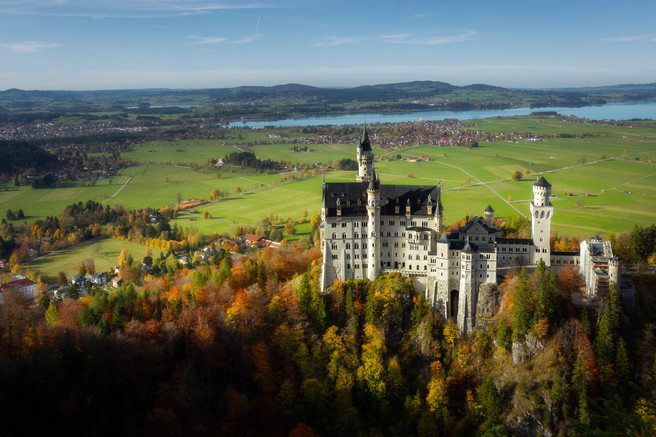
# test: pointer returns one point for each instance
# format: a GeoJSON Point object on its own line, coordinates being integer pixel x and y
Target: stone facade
{"type": "Point", "coordinates": [369, 229]}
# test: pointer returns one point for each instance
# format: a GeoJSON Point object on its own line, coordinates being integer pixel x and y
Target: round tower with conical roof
{"type": "Point", "coordinates": [373, 228]}
{"type": "Point", "coordinates": [541, 214]}
{"type": "Point", "coordinates": [489, 216]}
{"type": "Point", "coordinates": [365, 158]}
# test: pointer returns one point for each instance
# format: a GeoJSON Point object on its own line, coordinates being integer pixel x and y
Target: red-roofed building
{"type": "Point", "coordinates": [24, 286]}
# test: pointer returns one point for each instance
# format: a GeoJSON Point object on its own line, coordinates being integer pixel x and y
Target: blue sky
{"type": "Point", "coordinates": [111, 44]}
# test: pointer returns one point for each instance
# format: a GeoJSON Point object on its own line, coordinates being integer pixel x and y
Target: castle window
{"type": "Point", "coordinates": [333, 246]}
{"type": "Point", "coordinates": [410, 267]}
{"type": "Point", "coordinates": [343, 224]}
{"type": "Point", "coordinates": [402, 222]}
{"type": "Point", "coordinates": [425, 236]}
{"type": "Point", "coordinates": [348, 256]}
{"type": "Point", "coordinates": [542, 215]}
{"type": "Point", "coordinates": [333, 225]}
{"type": "Point", "coordinates": [348, 245]}
{"type": "Point", "coordinates": [357, 246]}
{"type": "Point", "coordinates": [344, 236]}
{"type": "Point", "coordinates": [332, 194]}
{"type": "Point", "coordinates": [356, 224]}
{"type": "Point", "coordinates": [348, 202]}
{"type": "Point", "coordinates": [548, 212]}
{"type": "Point", "coordinates": [391, 222]}
{"type": "Point", "coordinates": [356, 235]}
{"type": "Point", "coordinates": [425, 267]}
{"type": "Point", "coordinates": [348, 266]}
{"type": "Point", "coordinates": [425, 257]}
{"type": "Point", "coordinates": [334, 256]}
{"type": "Point", "coordinates": [334, 236]}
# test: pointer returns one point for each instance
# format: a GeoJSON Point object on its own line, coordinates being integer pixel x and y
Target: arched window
{"type": "Point", "coordinates": [409, 256]}
{"type": "Point", "coordinates": [409, 266]}
{"type": "Point", "coordinates": [548, 214]}
{"type": "Point", "coordinates": [537, 214]}
{"type": "Point", "coordinates": [348, 245]}
{"type": "Point", "coordinates": [357, 246]}
{"type": "Point", "coordinates": [334, 235]}
{"type": "Point", "coordinates": [343, 235]}
{"type": "Point", "coordinates": [542, 214]}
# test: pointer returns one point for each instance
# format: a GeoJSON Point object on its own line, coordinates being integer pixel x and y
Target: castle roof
{"type": "Point", "coordinates": [542, 182]}
{"type": "Point", "coordinates": [489, 208]}
{"type": "Point", "coordinates": [365, 145]}
{"type": "Point", "coordinates": [353, 198]}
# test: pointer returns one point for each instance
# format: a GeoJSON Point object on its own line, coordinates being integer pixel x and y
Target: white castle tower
{"type": "Point", "coordinates": [541, 213]}
{"type": "Point", "coordinates": [373, 228]}
{"type": "Point", "coordinates": [365, 158]}
{"type": "Point", "coordinates": [489, 216]}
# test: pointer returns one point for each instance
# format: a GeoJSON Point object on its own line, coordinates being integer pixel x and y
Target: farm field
{"type": "Point", "coordinates": [103, 251]}
{"type": "Point", "coordinates": [601, 184]}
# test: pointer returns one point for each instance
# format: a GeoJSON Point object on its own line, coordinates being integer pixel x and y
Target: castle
{"type": "Point", "coordinates": [369, 229]}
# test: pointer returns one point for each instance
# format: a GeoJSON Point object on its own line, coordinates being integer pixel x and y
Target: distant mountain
{"type": "Point", "coordinates": [622, 88]}
{"type": "Point", "coordinates": [295, 99]}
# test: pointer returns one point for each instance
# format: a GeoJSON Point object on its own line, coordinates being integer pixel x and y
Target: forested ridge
{"type": "Point", "coordinates": [248, 345]}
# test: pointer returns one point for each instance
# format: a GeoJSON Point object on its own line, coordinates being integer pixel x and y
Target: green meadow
{"type": "Point", "coordinates": [103, 251]}
{"type": "Point", "coordinates": [602, 179]}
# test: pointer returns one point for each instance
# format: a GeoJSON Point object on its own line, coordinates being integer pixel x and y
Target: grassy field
{"type": "Point", "coordinates": [103, 251]}
{"type": "Point", "coordinates": [605, 168]}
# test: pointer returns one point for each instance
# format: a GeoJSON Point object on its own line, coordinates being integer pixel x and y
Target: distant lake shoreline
{"type": "Point", "coordinates": [608, 111]}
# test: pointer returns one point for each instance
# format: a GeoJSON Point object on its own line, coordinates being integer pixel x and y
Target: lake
{"type": "Point", "coordinates": [609, 111]}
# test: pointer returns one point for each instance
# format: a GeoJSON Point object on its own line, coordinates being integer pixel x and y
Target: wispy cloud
{"type": "Point", "coordinates": [207, 39]}
{"type": "Point", "coordinates": [409, 38]}
{"type": "Point", "coordinates": [246, 39]}
{"type": "Point", "coordinates": [333, 41]}
{"type": "Point", "coordinates": [202, 40]}
{"type": "Point", "coordinates": [649, 38]}
{"type": "Point", "coordinates": [101, 9]}
{"type": "Point", "coordinates": [30, 46]}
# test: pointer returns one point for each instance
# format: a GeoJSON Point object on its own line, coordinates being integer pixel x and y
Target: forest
{"type": "Point", "coordinates": [248, 345]}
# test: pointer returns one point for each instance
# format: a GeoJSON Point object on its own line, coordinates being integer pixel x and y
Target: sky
{"type": "Point", "coordinates": [123, 44]}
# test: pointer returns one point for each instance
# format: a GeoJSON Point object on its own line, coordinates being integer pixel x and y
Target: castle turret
{"type": "Point", "coordinates": [541, 213]}
{"type": "Point", "coordinates": [489, 216]}
{"type": "Point", "coordinates": [467, 295]}
{"type": "Point", "coordinates": [365, 158]}
{"type": "Point", "coordinates": [614, 272]}
{"type": "Point", "coordinates": [373, 228]}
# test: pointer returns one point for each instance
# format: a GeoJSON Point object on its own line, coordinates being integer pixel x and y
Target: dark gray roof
{"type": "Point", "coordinates": [489, 209]}
{"type": "Point", "coordinates": [542, 182]}
{"type": "Point", "coordinates": [353, 198]}
{"type": "Point", "coordinates": [365, 145]}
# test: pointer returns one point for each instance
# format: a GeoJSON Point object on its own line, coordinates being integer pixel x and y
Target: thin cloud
{"type": "Point", "coordinates": [408, 38]}
{"type": "Point", "coordinates": [650, 38]}
{"type": "Point", "coordinates": [30, 46]}
{"type": "Point", "coordinates": [333, 41]}
{"type": "Point", "coordinates": [203, 40]}
{"type": "Point", "coordinates": [246, 39]}
{"type": "Point", "coordinates": [207, 39]}
{"type": "Point", "coordinates": [137, 9]}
